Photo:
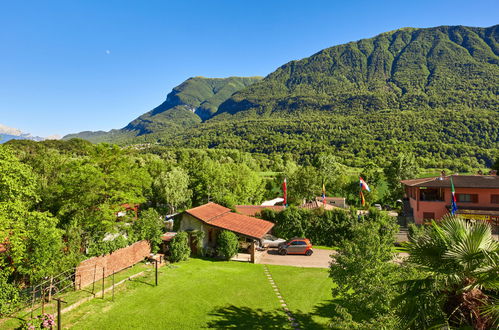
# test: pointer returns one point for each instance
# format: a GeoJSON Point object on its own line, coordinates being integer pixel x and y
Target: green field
{"type": "Point", "coordinates": [215, 294]}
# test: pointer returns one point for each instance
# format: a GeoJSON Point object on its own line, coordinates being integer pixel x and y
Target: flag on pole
{"type": "Point", "coordinates": [284, 190]}
{"type": "Point", "coordinates": [362, 200]}
{"type": "Point", "coordinates": [363, 185]}
{"type": "Point", "coordinates": [323, 194]}
{"type": "Point", "coordinates": [453, 198]}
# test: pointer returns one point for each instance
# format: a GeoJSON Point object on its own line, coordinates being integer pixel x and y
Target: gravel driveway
{"type": "Point", "coordinates": [320, 259]}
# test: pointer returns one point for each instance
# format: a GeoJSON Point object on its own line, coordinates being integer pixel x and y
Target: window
{"type": "Point", "coordinates": [467, 198]}
{"type": "Point", "coordinates": [430, 194]}
{"type": "Point", "coordinates": [428, 216]}
{"type": "Point", "coordinates": [494, 199]}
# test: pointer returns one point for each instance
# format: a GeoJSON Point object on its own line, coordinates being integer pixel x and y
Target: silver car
{"type": "Point", "coordinates": [271, 241]}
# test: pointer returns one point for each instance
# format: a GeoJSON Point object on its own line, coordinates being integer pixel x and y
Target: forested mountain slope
{"type": "Point", "coordinates": [430, 91]}
{"type": "Point", "coordinates": [188, 104]}
{"type": "Point", "coordinates": [407, 69]}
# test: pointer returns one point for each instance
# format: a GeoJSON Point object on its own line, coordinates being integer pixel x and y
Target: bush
{"type": "Point", "coordinates": [98, 247]}
{"type": "Point", "coordinates": [227, 244]}
{"type": "Point", "coordinates": [415, 232]}
{"type": "Point", "coordinates": [327, 228]}
{"type": "Point", "coordinates": [9, 295]}
{"type": "Point", "coordinates": [149, 226]}
{"type": "Point", "coordinates": [179, 247]}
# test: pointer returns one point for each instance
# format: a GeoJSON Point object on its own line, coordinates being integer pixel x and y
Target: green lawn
{"type": "Point", "coordinates": [307, 291]}
{"type": "Point", "coordinates": [215, 294]}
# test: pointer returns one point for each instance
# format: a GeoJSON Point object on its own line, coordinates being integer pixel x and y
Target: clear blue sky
{"type": "Point", "coordinates": [73, 65]}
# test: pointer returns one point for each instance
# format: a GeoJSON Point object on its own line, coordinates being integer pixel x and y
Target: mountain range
{"type": "Point", "coordinates": [8, 133]}
{"type": "Point", "coordinates": [432, 91]}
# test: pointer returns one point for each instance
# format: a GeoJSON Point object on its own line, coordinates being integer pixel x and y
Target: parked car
{"type": "Point", "coordinates": [296, 246]}
{"type": "Point", "coordinates": [271, 241]}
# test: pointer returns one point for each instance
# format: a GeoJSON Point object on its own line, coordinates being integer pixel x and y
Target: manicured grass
{"type": "Point", "coordinates": [71, 297]}
{"type": "Point", "coordinates": [307, 291]}
{"type": "Point", "coordinates": [203, 293]}
{"type": "Point", "coordinates": [209, 294]}
{"type": "Point", "coordinates": [322, 247]}
{"type": "Point", "coordinates": [194, 294]}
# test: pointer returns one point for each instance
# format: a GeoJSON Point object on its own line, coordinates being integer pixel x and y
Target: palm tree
{"type": "Point", "coordinates": [459, 263]}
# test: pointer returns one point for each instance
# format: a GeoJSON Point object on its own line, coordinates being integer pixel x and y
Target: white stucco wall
{"type": "Point", "coordinates": [189, 223]}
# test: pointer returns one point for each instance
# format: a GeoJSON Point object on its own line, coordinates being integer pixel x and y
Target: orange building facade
{"type": "Point", "coordinates": [430, 198]}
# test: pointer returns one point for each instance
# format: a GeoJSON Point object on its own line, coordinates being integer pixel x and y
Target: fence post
{"type": "Point", "coordinates": [59, 301]}
{"type": "Point", "coordinates": [74, 280]}
{"type": "Point", "coordinates": [33, 301]}
{"type": "Point", "coordinates": [43, 301]}
{"type": "Point", "coordinates": [156, 263]}
{"type": "Point", "coordinates": [93, 282]}
{"type": "Point", "coordinates": [103, 271]}
{"type": "Point", "coordinates": [50, 287]}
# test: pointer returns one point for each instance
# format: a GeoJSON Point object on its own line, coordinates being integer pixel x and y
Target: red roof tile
{"type": "Point", "coordinates": [242, 224]}
{"type": "Point", "coordinates": [208, 211]}
{"type": "Point", "coordinates": [460, 181]}
{"type": "Point", "coordinates": [219, 216]}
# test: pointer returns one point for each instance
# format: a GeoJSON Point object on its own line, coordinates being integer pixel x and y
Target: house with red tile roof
{"type": "Point", "coordinates": [212, 218]}
{"type": "Point", "coordinates": [430, 198]}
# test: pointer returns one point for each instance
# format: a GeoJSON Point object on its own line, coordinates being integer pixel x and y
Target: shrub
{"type": "Point", "coordinates": [179, 247]}
{"type": "Point", "coordinates": [99, 247]}
{"type": "Point", "coordinates": [9, 295]}
{"type": "Point", "coordinates": [321, 227]}
{"type": "Point", "coordinates": [227, 244]}
{"type": "Point", "coordinates": [197, 236]}
{"type": "Point", "coordinates": [415, 232]}
{"type": "Point", "coordinates": [149, 226]}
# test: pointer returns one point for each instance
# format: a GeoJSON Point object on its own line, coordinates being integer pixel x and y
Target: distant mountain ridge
{"type": "Point", "coordinates": [446, 66]}
{"type": "Point", "coordinates": [8, 133]}
{"type": "Point", "coordinates": [432, 91]}
{"type": "Point", "coordinates": [188, 104]}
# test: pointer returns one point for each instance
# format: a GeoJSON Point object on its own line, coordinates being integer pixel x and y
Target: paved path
{"type": "Point", "coordinates": [320, 259]}
{"type": "Point", "coordinates": [291, 319]}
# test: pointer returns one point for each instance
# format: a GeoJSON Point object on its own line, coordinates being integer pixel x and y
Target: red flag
{"type": "Point", "coordinates": [362, 199]}
{"type": "Point", "coordinates": [284, 190]}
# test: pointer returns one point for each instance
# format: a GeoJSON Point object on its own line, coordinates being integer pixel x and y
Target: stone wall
{"type": "Point", "coordinates": [92, 268]}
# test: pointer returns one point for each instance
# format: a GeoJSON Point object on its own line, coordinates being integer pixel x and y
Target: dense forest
{"type": "Point", "coordinates": [63, 201]}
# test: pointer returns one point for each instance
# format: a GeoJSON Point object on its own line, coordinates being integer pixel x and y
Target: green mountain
{"type": "Point", "coordinates": [445, 67]}
{"type": "Point", "coordinates": [431, 91]}
{"type": "Point", "coordinates": [188, 104]}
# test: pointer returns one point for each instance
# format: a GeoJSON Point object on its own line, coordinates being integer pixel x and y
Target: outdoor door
{"type": "Point", "coordinates": [193, 245]}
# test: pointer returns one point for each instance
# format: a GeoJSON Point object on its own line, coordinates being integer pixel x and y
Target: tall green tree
{"type": "Point", "coordinates": [332, 172]}
{"type": "Point", "coordinates": [403, 166]}
{"type": "Point", "coordinates": [304, 184]}
{"type": "Point", "coordinates": [495, 166]}
{"type": "Point", "coordinates": [365, 274]}
{"type": "Point", "coordinates": [172, 188]}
